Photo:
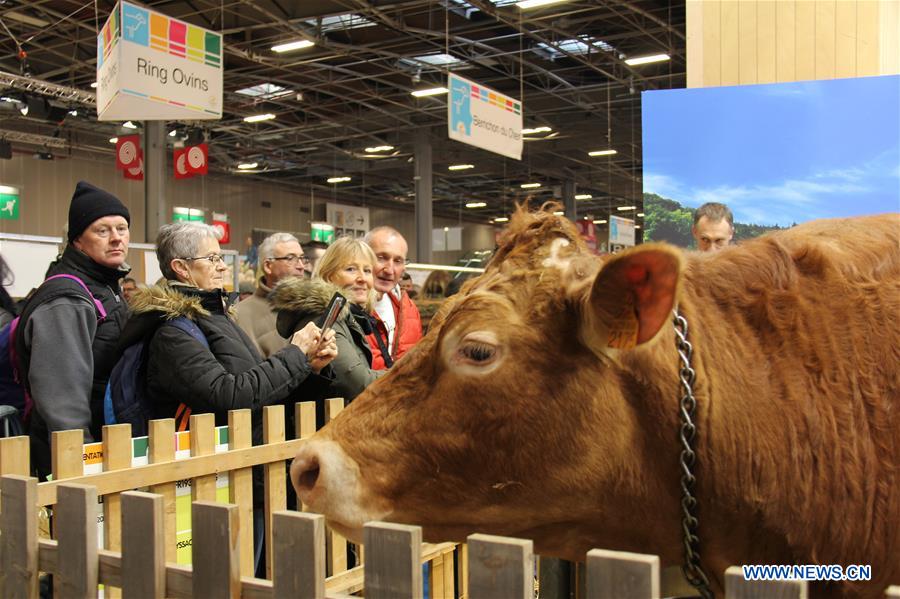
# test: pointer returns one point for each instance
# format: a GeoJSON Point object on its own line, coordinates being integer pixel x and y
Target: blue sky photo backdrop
{"type": "Point", "coordinates": [777, 154]}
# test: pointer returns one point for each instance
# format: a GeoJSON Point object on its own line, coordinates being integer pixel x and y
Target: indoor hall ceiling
{"type": "Point", "coordinates": [351, 91]}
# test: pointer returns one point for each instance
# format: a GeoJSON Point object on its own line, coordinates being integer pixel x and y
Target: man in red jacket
{"type": "Point", "coordinates": [397, 323]}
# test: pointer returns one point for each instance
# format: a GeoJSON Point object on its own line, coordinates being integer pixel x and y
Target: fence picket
{"type": "Point", "coordinates": [736, 587]}
{"type": "Point", "coordinates": [298, 555]}
{"type": "Point", "coordinates": [143, 546]}
{"type": "Point", "coordinates": [216, 568]}
{"type": "Point", "coordinates": [116, 456]}
{"type": "Point", "coordinates": [275, 473]}
{"type": "Point", "coordinates": [15, 456]}
{"type": "Point", "coordinates": [203, 442]}
{"type": "Point", "coordinates": [892, 592]}
{"type": "Point", "coordinates": [335, 544]}
{"type": "Point", "coordinates": [19, 541]}
{"type": "Point", "coordinates": [240, 484]}
{"type": "Point", "coordinates": [622, 574]}
{"type": "Point", "coordinates": [161, 450]}
{"type": "Point", "coordinates": [76, 535]}
{"type": "Point", "coordinates": [394, 567]}
{"type": "Point", "coordinates": [500, 567]}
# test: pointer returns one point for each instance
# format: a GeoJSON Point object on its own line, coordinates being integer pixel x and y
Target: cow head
{"type": "Point", "coordinates": [513, 415]}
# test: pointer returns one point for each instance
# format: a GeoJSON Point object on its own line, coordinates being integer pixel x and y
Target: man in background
{"type": "Point", "coordinates": [398, 325]}
{"type": "Point", "coordinates": [280, 256]}
{"type": "Point", "coordinates": [713, 227]}
{"type": "Point", "coordinates": [314, 250]}
{"type": "Point", "coordinates": [129, 286]}
{"type": "Point", "coordinates": [66, 351]}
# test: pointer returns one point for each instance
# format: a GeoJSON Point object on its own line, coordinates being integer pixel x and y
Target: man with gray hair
{"type": "Point", "coordinates": [280, 256]}
{"type": "Point", "coordinates": [713, 227]}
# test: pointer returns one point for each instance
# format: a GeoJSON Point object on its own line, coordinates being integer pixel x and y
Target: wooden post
{"type": "Point", "coordinates": [19, 541]}
{"type": "Point", "coordinates": [76, 534]}
{"type": "Point", "coordinates": [67, 454]}
{"type": "Point", "coordinates": [215, 550]}
{"type": "Point", "coordinates": [143, 546]}
{"type": "Point", "coordinates": [298, 555]}
{"type": "Point", "coordinates": [276, 482]}
{"type": "Point", "coordinates": [892, 592]}
{"type": "Point", "coordinates": [335, 544]}
{"type": "Point", "coordinates": [203, 442]}
{"type": "Point", "coordinates": [162, 449]}
{"type": "Point", "coordinates": [463, 574]}
{"type": "Point", "coordinates": [116, 456]}
{"type": "Point", "coordinates": [622, 574]}
{"type": "Point", "coordinates": [736, 587]}
{"type": "Point", "coordinates": [240, 485]}
{"type": "Point", "coordinates": [304, 419]}
{"type": "Point", "coordinates": [15, 456]}
{"type": "Point", "coordinates": [394, 568]}
{"type": "Point", "coordinates": [500, 567]}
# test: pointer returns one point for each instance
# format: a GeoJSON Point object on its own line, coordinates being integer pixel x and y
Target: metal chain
{"type": "Point", "coordinates": [691, 568]}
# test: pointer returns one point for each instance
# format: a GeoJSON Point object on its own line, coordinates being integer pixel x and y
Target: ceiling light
{"type": "Point", "coordinates": [646, 59]}
{"type": "Point", "coordinates": [73, 112]}
{"type": "Point", "coordinates": [259, 117]}
{"type": "Point", "coordinates": [529, 185]}
{"type": "Point", "coordinates": [533, 130]}
{"type": "Point", "coordinates": [501, 219]}
{"type": "Point", "coordinates": [641, 214]}
{"type": "Point", "coordinates": [247, 165]}
{"type": "Point", "coordinates": [601, 221]}
{"type": "Point", "coordinates": [338, 179]}
{"type": "Point", "coordinates": [113, 140]}
{"type": "Point", "coordinates": [624, 208]}
{"type": "Point", "coordinates": [296, 45]}
{"type": "Point", "coordinates": [559, 213]}
{"type": "Point", "coordinates": [264, 91]}
{"type": "Point", "coordinates": [602, 153]}
{"type": "Point", "coordinates": [476, 204]}
{"type": "Point", "coordinates": [583, 196]}
{"type": "Point", "coordinates": [637, 226]}
{"type": "Point", "coordinates": [380, 149]}
{"type": "Point", "coordinates": [535, 3]}
{"type": "Point", "coordinates": [431, 91]}
{"type": "Point", "coordinates": [173, 133]}
{"type": "Point", "coordinates": [129, 125]}
{"type": "Point", "coordinates": [94, 84]}
{"type": "Point", "coordinates": [460, 167]}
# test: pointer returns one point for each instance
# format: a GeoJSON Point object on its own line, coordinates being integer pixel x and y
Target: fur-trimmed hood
{"type": "Point", "coordinates": [299, 301]}
{"type": "Point", "coordinates": [169, 301]}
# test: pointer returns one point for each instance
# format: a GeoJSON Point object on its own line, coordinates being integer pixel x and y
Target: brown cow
{"type": "Point", "coordinates": [543, 404]}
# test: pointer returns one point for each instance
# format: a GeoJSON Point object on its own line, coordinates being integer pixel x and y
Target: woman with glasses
{"type": "Point", "coordinates": [197, 359]}
{"type": "Point", "coordinates": [347, 267]}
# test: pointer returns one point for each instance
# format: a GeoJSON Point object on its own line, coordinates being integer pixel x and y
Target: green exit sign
{"type": "Point", "coordinates": [322, 232]}
{"type": "Point", "coordinates": [9, 203]}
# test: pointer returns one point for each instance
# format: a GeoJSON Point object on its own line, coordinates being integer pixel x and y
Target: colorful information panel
{"type": "Point", "coordinates": [153, 67]}
{"type": "Point", "coordinates": [484, 118]}
{"type": "Point", "coordinates": [621, 231]}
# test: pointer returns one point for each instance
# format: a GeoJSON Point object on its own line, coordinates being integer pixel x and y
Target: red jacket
{"type": "Point", "coordinates": [408, 332]}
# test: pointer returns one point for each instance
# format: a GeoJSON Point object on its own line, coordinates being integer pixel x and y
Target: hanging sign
{"type": "Point", "coordinates": [621, 231]}
{"type": "Point", "coordinates": [136, 169]}
{"type": "Point", "coordinates": [484, 118]}
{"type": "Point", "coordinates": [221, 225]}
{"type": "Point", "coordinates": [128, 150]}
{"type": "Point", "coordinates": [153, 67]}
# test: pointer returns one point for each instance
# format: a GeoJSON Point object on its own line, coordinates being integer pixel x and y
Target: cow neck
{"type": "Point", "coordinates": [692, 568]}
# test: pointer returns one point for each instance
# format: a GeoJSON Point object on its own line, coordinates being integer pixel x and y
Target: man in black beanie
{"type": "Point", "coordinates": [65, 345]}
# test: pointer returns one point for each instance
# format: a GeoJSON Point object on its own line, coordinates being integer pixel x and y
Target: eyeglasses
{"type": "Point", "coordinates": [214, 259]}
{"type": "Point", "coordinates": [397, 262]}
{"type": "Point", "coordinates": [292, 259]}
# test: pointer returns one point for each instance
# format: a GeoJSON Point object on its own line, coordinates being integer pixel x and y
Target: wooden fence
{"type": "Point", "coordinates": [307, 559]}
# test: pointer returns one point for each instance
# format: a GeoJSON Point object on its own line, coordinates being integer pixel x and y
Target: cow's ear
{"type": "Point", "coordinates": [632, 297]}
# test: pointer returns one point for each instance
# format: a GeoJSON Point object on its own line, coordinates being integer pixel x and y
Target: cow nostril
{"type": "Point", "coordinates": [307, 479]}
{"type": "Point", "coordinates": [305, 472]}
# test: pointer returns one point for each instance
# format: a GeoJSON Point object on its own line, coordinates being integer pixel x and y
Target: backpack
{"type": "Point", "coordinates": [13, 381]}
{"type": "Point", "coordinates": [125, 400]}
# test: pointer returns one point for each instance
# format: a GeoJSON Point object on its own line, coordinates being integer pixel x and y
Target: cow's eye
{"type": "Point", "coordinates": [477, 352]}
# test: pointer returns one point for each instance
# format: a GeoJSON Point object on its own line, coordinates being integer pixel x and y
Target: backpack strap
{"type": "Point", "coordinates": [98, 305]}
{"type": "Point", "coordinates": [183, 413]}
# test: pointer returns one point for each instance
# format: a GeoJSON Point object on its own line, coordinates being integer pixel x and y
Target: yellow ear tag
{"type": "Point", "coordinates": [623, 331]}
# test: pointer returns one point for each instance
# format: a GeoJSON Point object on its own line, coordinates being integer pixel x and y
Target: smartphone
{"type": "Point", "coordinates": [335, 306]}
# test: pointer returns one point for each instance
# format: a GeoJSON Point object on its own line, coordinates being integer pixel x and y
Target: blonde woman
{"type": "Point", "coordinates": [345, 267]}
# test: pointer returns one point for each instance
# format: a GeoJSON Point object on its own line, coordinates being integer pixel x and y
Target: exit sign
{"type": "Point", "coordinates": [9, 202]}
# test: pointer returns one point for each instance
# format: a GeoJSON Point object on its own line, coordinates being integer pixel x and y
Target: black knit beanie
{"type": "Point", "coordinates": [90, 203]}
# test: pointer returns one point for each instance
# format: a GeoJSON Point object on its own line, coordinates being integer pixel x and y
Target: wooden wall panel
{"type": "Point", "coordinates": [766, 68]}
{"type": "Point", "coordinates": [825, 39]}
{"type": "Point", "coordinates": [744, 42]}
{"type": "Point", "coordinates": [845, 38]}
{"type": "Point", "coordinates": [785, 41]}
{"type": "Point", "coordinates": [730, 24]}
{"type": "Point", "coordinates": [747, 43]}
